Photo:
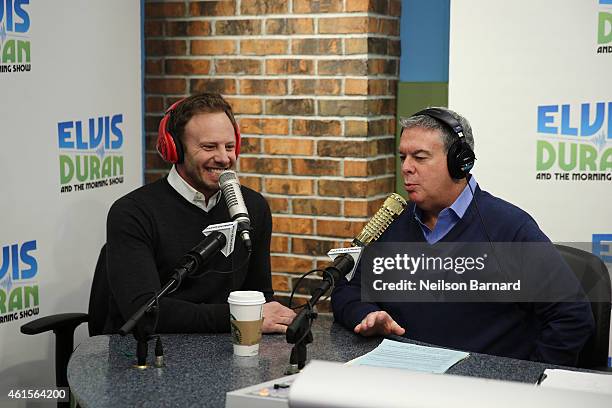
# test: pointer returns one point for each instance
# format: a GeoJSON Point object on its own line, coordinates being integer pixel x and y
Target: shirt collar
{"type": "Point", "coordinates": [191, 194]}
{"type": "Point", "coordinates": [461, 203]}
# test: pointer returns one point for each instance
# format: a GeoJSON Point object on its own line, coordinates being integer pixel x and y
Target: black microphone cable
{"type": "Point", "coordinates": [301, 279]}
{"type": "Point", "coordinates": [392, 207]}
{"type": "Point", "coordinates": [484, 228]}
{"type": "Point", "coordinates": [207, 271]}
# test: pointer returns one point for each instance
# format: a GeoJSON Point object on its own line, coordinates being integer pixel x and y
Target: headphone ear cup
{"type": "Point", "coordinates": [238, 139]}
{"type": "Point", "coordinates": [165, 142]}
{"type": "Point", "coordinates": [460, 159]}
{"type": "Point", "coordinates": [168, 147]}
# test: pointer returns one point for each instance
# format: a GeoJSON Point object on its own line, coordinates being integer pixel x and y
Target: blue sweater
{"type": "Point", "coordinates": [548, 332]}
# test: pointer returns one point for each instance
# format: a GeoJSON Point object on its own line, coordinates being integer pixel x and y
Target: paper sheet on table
{"type": "Point", "coordinates": [395, 354]}
{"type": "Point", "coordinates": [577, 381]}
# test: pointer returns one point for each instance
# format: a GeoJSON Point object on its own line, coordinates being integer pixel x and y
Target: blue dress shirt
{"type": "Point", "coordinates": [449, 216]}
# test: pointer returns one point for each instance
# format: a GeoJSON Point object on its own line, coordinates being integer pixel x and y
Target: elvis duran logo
{"type": "Point", "coordinates": [19, 297]}
{"type": "Point", "coordinates": [574, 142]}
{"type": "Point", "coordinates": [90, 153]}
{"type": "Point", "coordinates": [14, 37]}
{"type": "Point", "coordinates": [602, 247]}
{"type": "Point", "coordinates": [604, 27]}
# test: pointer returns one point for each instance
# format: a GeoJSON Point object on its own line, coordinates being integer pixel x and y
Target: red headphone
{"type": "Point", "coordinates": [170, 147]}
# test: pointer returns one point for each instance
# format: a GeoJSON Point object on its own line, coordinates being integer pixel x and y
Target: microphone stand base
{"type": "Point", "coordinates": [141, 367]}
{"type": "Point", "coordinates": [292, 369]}
{"type": "Point", "coordinates": [142, 334]}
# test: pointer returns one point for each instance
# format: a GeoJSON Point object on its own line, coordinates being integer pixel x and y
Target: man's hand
{"type": "Point", "coordinates": [378, 323]}
{"type": "Point", "coordinates": [276, 318]}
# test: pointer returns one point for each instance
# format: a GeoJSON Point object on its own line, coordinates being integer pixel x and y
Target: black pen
{"type": "Point", "coordinates": [541, 378]}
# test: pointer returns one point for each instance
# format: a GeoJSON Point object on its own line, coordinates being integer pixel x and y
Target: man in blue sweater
{"type": "Point", "coordinates": [436, 151]}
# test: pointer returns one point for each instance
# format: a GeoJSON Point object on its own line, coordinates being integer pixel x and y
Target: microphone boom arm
{"type": "Point", "coordinates": [209, 246]}
{"type": "Point", "coordinates": [298, 332]}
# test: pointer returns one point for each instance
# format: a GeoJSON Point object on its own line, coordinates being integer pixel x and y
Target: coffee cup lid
{"type": "Point", "coordinates": [246, 297]}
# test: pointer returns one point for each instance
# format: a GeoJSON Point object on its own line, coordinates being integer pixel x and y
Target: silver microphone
{"type": "Point", "coordinates": [229, 184]}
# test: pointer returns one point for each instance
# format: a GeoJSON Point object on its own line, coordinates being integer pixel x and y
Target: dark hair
{"type": "Point", "coordinates": [193, 105]}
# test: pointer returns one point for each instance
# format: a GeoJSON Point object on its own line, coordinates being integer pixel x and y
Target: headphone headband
{"type": "Point", "coordinates": [445, 118]}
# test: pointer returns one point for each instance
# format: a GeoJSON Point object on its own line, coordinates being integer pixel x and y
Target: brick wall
{"type": "Point", "coordinates": [313, 85]}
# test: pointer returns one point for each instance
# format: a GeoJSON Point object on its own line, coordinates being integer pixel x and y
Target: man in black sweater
{"type": "Point", "coordinates": [151, 228]}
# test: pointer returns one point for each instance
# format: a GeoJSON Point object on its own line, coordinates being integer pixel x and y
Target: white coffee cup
{"type": "Point", "coordinates": [246, 318]}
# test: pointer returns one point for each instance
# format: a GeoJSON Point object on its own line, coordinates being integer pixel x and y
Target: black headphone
{"type": "Point", "coordinates": [460, 157]}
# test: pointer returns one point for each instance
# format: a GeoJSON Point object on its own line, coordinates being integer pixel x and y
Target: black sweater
{"type": "Point", "coordinates": [148, 232]}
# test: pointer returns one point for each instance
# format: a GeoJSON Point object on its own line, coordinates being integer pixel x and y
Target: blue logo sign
{"type": "Point", "coordinates": [604, 28]}
{"type": "Point", "coordinates": [574, 142]}
{"type": "Point", "coordinates": [90, 152]}
{"type": "Point", "coordinates": [14, 41]}
{"type": "Point", "coordinates": [18, 289]}
{"type": "Point", "coordinates": [602, 247]}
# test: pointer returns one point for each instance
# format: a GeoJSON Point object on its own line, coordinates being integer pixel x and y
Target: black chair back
{"type": "Point", "coordinates": [595, 280]}
{"type": "Point", "coordinates": [99, 298]}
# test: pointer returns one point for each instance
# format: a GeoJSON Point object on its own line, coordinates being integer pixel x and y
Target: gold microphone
{"type": "Point", "coordinates": [390, 210]}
